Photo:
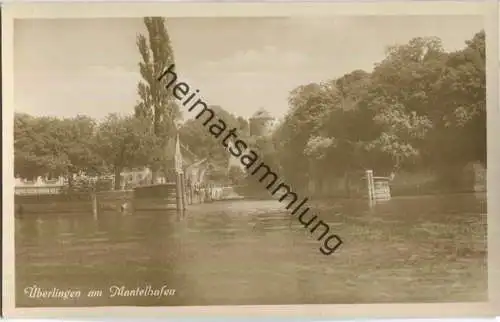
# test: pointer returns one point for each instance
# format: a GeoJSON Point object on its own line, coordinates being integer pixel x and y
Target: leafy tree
{"type": "Point", "coordinates": [307, 105]}
{"type": "Point", "coordinates": [78, 146]}
{"type": "Point", "coordinates": [157, 103]}
{"type": "Point", "coordinates": [463, 91]}
{"type": "Point", "coordinates": [236, 175]}
{"type": "Point", "coordinates": [125, 142]}
{"type": "Point", "coordinates": [48, 146]}
{"type": "Point", "coordinates": [402, 96]}
{"type": "Point", "coordinates": [197, 136]}
{"type": "Point", "coordinates": [243, 126]}
{"type": "Point", "coordinates": [31, 155]}
{"type": "Point", "coordinates": [419, 107]}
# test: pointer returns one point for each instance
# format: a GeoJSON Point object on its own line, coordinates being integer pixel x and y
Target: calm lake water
{"type": "Point", "coordinates": [410, 249]}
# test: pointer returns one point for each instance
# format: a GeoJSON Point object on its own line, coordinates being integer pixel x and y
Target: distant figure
{"type": "Point", "coordinates": [189, 185]}
{"type": "Point", "coordinates": [20, 209]}
{"type": "Point", "coordinates": [123, 207]}
{"type": "Point", "coordinates": [208, 192]}
{"type": "Point", "coordinates": [217, 193]}
{"type": "Point", "coordinates": [197, 192]}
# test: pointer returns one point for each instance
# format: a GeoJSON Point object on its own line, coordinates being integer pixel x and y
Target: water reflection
{"type": "Point", "coordinates": [252, 252]}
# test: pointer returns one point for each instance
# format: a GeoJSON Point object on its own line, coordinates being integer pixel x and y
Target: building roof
{"type": "Point", "coordinates": [187, 155]}
{"type": "Point", "coordinates": [261, 114]}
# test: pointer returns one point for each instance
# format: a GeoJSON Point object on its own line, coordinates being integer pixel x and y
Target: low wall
{"type": "Point", "coordinates": [152, 197]}
{"type": "Point", "coordinates": [55, 203]}
{"type": "Point", "coordinates": [115, 200]}
{"type": "Point", "coordinates": [72, 203]}
{"type": "Point", "coordinates": [154, 191]}
{"type": "Point", "coordinates": [37, 190]}
{"type": "Point", "coordinates": [155, 197]}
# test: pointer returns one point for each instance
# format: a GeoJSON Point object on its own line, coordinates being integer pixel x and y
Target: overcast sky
{"type": "Point", "coordinates": [65, 67]}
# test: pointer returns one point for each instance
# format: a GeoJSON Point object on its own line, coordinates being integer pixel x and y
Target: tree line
{"type": "Point", "coordinates": [420, 108]}
{"type": "Point", "coordinates": [50, 146]}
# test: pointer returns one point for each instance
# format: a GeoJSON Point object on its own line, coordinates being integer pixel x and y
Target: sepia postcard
{"type": "Point", "coordinates": [225, 159]}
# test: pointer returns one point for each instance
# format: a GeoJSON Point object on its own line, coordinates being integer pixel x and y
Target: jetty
{"type": "Point", "coordinates": [377, 188]}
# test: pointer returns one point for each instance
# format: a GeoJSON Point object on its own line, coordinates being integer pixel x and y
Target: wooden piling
{"type": "Point", "coordinates": [93, 197]}
{"type": "Point", "coordinates": [189, 193]}
{"type": "Point", "coordinates": [378, 188]}
{"type": "Point", "coordinates": [370, 185]}
{"type": "Point", "coordinates": [183, 191]}
{"type": "Point", "coordinates": [178, 192]}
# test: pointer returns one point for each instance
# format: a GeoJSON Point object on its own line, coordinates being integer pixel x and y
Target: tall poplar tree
{"type": "Point", "coordinates": [156, 102]}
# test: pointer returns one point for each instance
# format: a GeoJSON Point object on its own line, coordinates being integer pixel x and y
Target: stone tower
{"type": "Point", "coordinates": [260, 123]}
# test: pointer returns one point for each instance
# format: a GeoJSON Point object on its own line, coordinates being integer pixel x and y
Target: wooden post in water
{"type": "Point", "coordinates": [93, 197]}
{"type": "Point", "coordinates": [370, 185]}
{"type": "Point", "coordinates": [189, 191]}
{"type": "Point", "coordinates": [183, 191]}
{"type": "Point", "coordinates": [178, 191]}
